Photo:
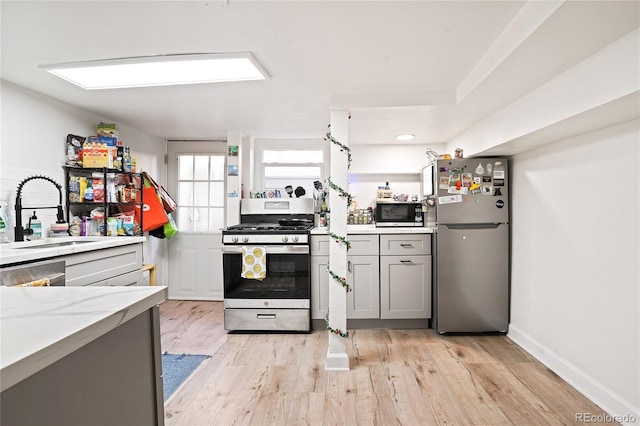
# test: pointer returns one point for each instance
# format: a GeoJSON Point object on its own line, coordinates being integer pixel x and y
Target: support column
{"type": "Point", "coordinates": [337, 357]}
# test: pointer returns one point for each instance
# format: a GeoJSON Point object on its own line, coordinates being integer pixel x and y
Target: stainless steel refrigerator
{"type": "Point", "coordinates": [472, 240]}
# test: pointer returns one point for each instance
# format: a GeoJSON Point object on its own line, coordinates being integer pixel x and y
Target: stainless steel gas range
{"type": "Point", "coordinates": [280, 300]}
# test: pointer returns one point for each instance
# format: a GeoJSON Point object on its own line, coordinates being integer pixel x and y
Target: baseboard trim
{"type": "Point", "coordinates": [620, 409]}
{"type": "Point", "coordinates": [337, 362]}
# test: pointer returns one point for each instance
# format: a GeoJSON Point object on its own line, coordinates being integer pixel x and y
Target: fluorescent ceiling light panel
{"type": "Point", "coordinates": [160, 70]}
{"type": "Point", "coordinates": [406, 137]}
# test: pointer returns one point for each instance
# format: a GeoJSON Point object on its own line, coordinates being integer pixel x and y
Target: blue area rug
{"type": "Point", "coordinates": [176, 369]}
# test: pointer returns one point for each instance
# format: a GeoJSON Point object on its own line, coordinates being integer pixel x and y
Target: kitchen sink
{"type": "Point", "coordinates": [51, 245]}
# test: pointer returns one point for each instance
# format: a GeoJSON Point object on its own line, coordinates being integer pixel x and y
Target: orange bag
{"type": "Point", "coordinates": [168, 203]}
{"type": "Point", "coordinates": [153, 214]}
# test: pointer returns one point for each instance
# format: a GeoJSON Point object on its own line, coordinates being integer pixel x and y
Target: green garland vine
{"type": "Point", "coordinates": [339, 239]}
{"type": "Point", "coordinates": [341, 280]}
{"type": "Point", "coordinates": [343, 147]}
{"type": "Point", "coordinates": [340, 191]}
{"type": "Point", "coordinates": [335, 330]}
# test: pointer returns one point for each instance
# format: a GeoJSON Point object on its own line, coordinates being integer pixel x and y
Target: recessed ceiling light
{"type": "Point", "coordinates": [164, 70]}
{"type": "Point", "coordinates": [406, 137]}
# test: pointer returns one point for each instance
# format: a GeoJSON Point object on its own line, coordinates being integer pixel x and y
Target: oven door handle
{"type": "Point", "coordinates": [302, 249]}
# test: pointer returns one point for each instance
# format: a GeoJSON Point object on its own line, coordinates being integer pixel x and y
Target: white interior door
{"type": "Point", "coordinates": [196, 178]}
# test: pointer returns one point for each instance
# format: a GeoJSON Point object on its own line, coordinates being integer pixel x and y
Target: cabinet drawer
{"type": "Point", "coordinates": [99, 265]}
{"type": "Point", "coordinates": [405, 244]}
{"type": "Point", "coordinates": [129, 279]}
{"type": "Point", "coordinates": [267, 319]}
{"type": "Point", "coordinates": [361, 245]}
{"type": "Point", "coordinates": [319, 245]}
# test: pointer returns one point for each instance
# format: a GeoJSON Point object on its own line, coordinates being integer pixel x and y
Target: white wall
{"type": "Point", "coordinates": [609, 75]}
{"type": "Point", "coordinates": [397, 158]}
{"type": "Point", "coordinates": [373, 165]}
{"type": "Point", "coordinates": [33, 138]}
{"type": "Point", "coordinates": [575, 297]}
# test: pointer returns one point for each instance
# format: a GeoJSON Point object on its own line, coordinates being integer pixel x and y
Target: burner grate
{"type": "Point", "coordinates": [249, 227]}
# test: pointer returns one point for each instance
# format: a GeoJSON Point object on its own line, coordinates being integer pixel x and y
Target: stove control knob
{"type": "Point", "coordinates": [285, 239]}
{"type": "Point", "coordinates": [295, 239]}
{"type": "Point", "coordinates": [245, 239]}
{"type": "Point", "coordinates": [234, 239]}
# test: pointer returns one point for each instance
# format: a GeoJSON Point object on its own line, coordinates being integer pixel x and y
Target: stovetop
{"type": "Point", "coordinates": [266, 233]}
{"type": "Point", "coordinates": [267, 228]}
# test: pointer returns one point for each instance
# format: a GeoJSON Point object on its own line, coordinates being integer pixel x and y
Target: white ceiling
{"type": "Point", "coordinates": [432, 68]}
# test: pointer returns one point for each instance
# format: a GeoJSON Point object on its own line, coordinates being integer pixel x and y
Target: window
{"type": "Point", "coordinates": [201, 192]}
{"type": "Point", "coordinates": [295, 165]}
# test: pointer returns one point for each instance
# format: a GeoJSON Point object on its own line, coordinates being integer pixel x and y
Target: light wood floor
{"type": "Point", "coordinates": [397, 377]}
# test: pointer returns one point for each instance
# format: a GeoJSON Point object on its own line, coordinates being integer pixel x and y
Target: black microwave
{"type": "Point", "coordinates": [399, 214]}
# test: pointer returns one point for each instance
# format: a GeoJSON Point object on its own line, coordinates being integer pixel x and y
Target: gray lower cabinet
{"type": "Point", "coordinates": [405, 276]}
{"type": "Point", "coordinates": [115, 379]}
{"type": "Point", "coordinates": [390, 276]}
{"type": "Point", "coordinates": [363, 275]}
{"type": "Point", "coordinates": [116, 266]}
{"type": "Point", "coordinates": [319, 287]}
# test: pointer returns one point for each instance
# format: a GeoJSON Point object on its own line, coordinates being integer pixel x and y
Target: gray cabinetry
{"type": "Point", "coordinates": [115, 379]}
{"type": "Point", "coordinates": [405, 276]}
{"type": "Point", "coordinates": [115, 266]}
{"type": "Point", "coordinates": [319, 284]}
{"type": "Point", "coordinates": [363, 275]}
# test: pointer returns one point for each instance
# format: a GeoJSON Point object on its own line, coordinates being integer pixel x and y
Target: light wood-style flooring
{"type": "Point", "coordinates": [397, 377]}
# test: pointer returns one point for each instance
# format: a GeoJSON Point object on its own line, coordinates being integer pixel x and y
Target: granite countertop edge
{"type": "Point", "coordinates": [29, 251]}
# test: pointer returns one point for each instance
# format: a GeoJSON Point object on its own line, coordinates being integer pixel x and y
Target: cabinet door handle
{"type": "Point", "coordinates": [405, 261]}
{"type": "Point", "coordinates": [406, 245]}
{"type": "Point", "coordinates": [349, 265]}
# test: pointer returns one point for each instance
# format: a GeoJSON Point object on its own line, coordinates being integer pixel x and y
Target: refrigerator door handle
{"type": "Point", "coordinates": [474, 225]}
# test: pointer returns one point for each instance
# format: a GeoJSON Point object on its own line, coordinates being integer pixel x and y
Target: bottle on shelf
{"type": "Point", "coordinates": [323, 206]}
{"type": "Point", "coordinates": [36, 226]}
{"type": "Point", "coordinates": [88, 192]}
{"type": "Point", "coordinates": [4, 222]}
{"type": "Point", "coordinates": [126, 161]}
{"type": "Point", "coordinates": [323, 219]}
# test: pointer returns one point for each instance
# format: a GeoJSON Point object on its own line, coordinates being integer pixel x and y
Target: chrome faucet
{"type": "Point", "coordinates": [20, 232]}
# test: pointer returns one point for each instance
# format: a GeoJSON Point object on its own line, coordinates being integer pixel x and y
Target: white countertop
{"type": "Point", "coordinates": [27, 251]}
{"type": "Point", "coordinates": [41, 325]}
{"type": "Point", "coordinates": [371, 229]}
